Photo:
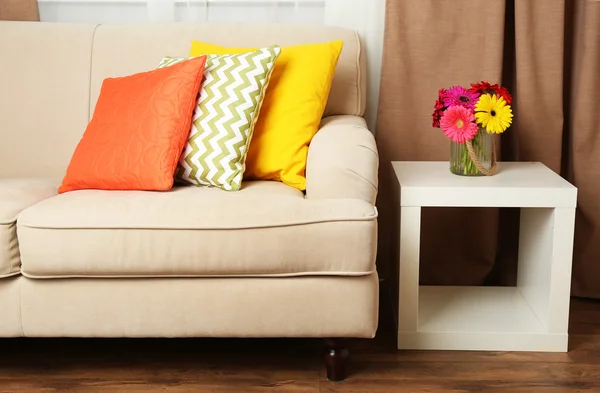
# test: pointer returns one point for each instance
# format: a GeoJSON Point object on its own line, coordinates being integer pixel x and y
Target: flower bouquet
{"type": "Point", "coordinates": [470, 117]}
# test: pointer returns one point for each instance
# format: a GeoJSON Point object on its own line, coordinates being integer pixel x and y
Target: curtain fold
{"type": "Point", "coordinates": [19, 10]}
{"type": "Point", "coordinates": [548, 53]}
{"type": "Point", "coordinates": [538, 104]}
{"type": "Point", "coordinates": [428, 45]}
{"type": "Point", "coordinates": [583, 165]}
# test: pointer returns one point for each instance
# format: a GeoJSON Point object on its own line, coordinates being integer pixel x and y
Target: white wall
{"type": "Point", "coordinates": [110, 11]}
{"type": "Point", "coordinates": [365, 16]}
{"type": "Point", "coordinates": [368, 18]}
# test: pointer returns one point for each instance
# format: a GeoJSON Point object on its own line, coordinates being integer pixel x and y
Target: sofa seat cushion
{"type": "Point", "coordinates": [16, 195]}
{"type": "Point", "coordinates": [265, 229]}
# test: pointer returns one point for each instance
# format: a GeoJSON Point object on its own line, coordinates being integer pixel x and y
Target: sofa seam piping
{"type": "Point", "coordinates": [117, 276]}
{"type": "Point", "coordinates": [9, 222]}
{"type": "Point", "coordinates": [359, 74]}
{"type": "Point", "coordinates": [13, 274]}
{"type": "Point", "coordinates": [367, 218]}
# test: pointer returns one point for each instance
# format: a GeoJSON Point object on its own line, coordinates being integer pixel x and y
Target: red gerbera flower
{"type": "Point", "coordinates": [483, 87]}
{"type": "Point", "coordinates": [442, 93]}
{"type": "Point", "coordinates": [486, 87]}
{"type": "Point", "coordinates": [503, 92]}
{"type": "Point", "coordinates": [437, 116]}
{"type": "Point", "coordinates": [439, 108]}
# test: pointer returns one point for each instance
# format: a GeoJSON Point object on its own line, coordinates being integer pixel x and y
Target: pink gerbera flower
{"type": "Point", "coordinates": [458, 95]}
{"type": "Point", "coordinates": [458, 124]}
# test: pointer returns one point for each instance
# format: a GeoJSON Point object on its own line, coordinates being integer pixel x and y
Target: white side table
{"type": "Point", "coordinates": [533, 316]}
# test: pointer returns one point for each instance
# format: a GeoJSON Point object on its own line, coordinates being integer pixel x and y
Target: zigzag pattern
{"type": "Point", "coordinates": [229, 102]}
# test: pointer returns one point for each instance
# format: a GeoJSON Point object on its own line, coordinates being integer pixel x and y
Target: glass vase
{"type": "Point", "coordinates": [460, 160]}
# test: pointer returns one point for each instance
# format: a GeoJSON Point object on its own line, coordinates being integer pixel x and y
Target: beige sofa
{"type": "Point", "coordinates": [267, 261]}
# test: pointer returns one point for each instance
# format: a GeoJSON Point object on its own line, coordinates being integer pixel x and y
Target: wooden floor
{"type": "Point", "coordinates": [239, 366]}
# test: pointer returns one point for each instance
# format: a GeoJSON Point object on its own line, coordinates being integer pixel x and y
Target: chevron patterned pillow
{"type": "Point", "coordinates": [230, 98]}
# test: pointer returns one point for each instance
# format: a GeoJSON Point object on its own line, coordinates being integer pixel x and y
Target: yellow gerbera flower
{"type": "Point", "coordinates": [493, 113]}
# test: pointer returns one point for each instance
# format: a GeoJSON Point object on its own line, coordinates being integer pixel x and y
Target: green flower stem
{"type": "Point", "coordinates": [462, 163]}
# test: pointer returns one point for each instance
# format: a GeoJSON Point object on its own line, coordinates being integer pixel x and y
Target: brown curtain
{"type": "Point", "coordinates": [23, 10]}
{"type": "Point", "coordinates": [547, 52]}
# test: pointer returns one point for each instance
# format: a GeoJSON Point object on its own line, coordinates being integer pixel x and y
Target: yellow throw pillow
{"type": "Point", "coordinates": [292, 109]}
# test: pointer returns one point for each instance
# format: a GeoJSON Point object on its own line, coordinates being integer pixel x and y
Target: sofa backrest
{"type": "Point", "coordinates": [44, 96]}
{"type": "Point", "coordinates": [51, 74]}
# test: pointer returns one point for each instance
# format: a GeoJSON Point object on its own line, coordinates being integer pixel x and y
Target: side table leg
{"type": "Point", "coordinates": [562, 262]}
{"type": "Point", "coordinates": [544, 277]}
{"type": "Point", "coordinates": [408, 289]}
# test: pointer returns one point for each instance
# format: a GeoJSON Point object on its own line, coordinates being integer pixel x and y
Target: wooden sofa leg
{"type": "Point", "coordinates": [336, 359]}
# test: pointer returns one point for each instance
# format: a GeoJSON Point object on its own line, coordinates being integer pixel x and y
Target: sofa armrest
{"type": "Point", "coordinates": [342, 161]}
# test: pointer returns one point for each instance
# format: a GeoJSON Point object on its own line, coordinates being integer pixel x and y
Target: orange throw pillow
{"type": "Point", "coordinates": [140, 126]}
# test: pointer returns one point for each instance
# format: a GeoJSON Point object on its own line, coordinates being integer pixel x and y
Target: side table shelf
{"type": "Point", "coordinates": [533, 316]}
